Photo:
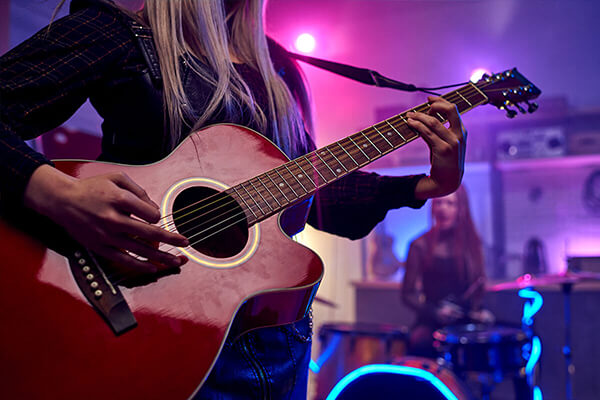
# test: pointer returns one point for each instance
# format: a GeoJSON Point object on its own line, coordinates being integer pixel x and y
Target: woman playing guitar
{"type": "Point", "coordinates": [156, 76]}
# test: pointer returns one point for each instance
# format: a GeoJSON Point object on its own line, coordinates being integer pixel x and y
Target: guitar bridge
{"type": "Point", "coordinates": [104, 297]}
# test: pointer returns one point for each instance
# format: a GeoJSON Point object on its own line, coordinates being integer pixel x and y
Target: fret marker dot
{"type": "Point", "coordinates": [338, 170]}
{"type": "Point", "coordinates": [299, 175]}
{"type": "Point", "coordinates": [389, 133]}
{"type": "Point", "coordinates": [365, 145]}
{"type": "Point", "coordinates": [323, 153]}
{"type": "Point", "coordinates": [281, 184]}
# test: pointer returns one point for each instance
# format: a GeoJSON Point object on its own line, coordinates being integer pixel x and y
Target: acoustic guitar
{"type": "Point", "coordinates": [73, 329]}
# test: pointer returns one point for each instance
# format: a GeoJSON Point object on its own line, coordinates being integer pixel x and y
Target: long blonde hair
{"type": "Point", "coordinates": [202, 29]}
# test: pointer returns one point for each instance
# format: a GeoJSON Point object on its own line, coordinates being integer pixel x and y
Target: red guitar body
{"type": "Point", "coordinates": [54, 345]}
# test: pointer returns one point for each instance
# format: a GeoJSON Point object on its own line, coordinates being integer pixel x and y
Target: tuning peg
{"type": "Point", "coordinates": [510, 113]}
{"type": "Point", "coordinates": [531, 107]}
{"type": "Point", "coordinates": [521, 109]}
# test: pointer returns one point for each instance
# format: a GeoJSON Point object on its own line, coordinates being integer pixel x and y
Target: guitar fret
{"type": "Point", "coordinates": [365, 146]}
{"type": "Point", "coordinates": [286, 182]}
{"type": "Point", "coordinates": [327, 165]}
{"type": "Point", "coordinates": [253, 199]}
{"type": "Point", "coordinates": [409, 127]}
{"type": "Point", "coordinates": [352, 158]}
{"type": "Point", "coordinates": [380, 141]}
{"type": "Point", "coordinates": [336, 159]}
{"type": "Point", "coordinates": [381, 134]}
{"type": "Point", "coordinates": [292, 174]}
{"type": "Point", "coordinates": [439, 116]}
{"type": "Point", "coordinates": [480, 92]}
{"type": "Point", "coordinates": [260, 194]}
{"type": "Point", "coordinates": [462, 97]}
{"type": "Point", "coordinates": [364, 149]}
{"type": "Point", "coordinates": [265, 186]}
{"type": "Point", "coordinates": [305, 174]}
{"type": "Point", "coordinates": [278, 187]}
{"type": "Point", "coordinates": [247, 206]}
{"type": "Point", "coordinates": [372, 144]}
{"type": "Point", "coordinates": [399, 134]}
{"type": "Point", "coordinates": [361, 150]}
{"type": "Point", "coordinates": [316, 169]}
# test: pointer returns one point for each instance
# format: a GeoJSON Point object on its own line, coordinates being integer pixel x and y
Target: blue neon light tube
{"type": "Point", "coordinates": [392, 369]}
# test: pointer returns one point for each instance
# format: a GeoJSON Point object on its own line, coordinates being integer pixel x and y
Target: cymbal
{"type": "Point", "coordinates": [529, 280]}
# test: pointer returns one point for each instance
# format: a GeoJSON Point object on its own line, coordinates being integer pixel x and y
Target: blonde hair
{"type": "Point", "coordinates": [190, 30]}
{"type": "Point", "coordinates": [201, 29]}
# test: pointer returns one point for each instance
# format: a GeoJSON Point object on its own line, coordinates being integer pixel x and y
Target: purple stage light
{"type": "Point", "coordinates": [306, 43]}
{"type": "Point", "coordinates": [478, 73]}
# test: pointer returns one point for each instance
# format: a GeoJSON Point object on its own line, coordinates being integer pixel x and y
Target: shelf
{"type": "Point", "coordinates": [543, 163]}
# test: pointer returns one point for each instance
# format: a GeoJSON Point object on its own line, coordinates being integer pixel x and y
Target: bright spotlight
{"type": "Point", "coordinates": [478, 73]}
{"type": "Point", "coordinates": [305, 43]}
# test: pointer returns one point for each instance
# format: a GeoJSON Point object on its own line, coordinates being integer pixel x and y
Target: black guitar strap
{"type": "Point", "coordinates": [143, 36]}
{"type": "Point", "coordinates": [363, 75]}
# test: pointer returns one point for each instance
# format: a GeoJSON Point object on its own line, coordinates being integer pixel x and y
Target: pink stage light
{"type": "Point", "coordinates": [478, 73]}
{"type": "Point", "coordinates": [306, 43]}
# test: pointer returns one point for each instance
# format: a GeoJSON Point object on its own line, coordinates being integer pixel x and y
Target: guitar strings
{"type": "Point", "coordinates": [216, 198]}
{"type": "Point", "coordinates": [223, 195]}
{"type": "Point", "coordinates": [124, 276]}
{"type": "Point", "coordinates": [231, 201]}
{"type": "Point", "coordinates": [455, 96]}
{"type": "Point", "coordinates": [191, 205]}
{"type": "Point", "coordinates": [265, 215]}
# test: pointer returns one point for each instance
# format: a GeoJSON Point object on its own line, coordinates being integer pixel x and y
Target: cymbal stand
{"type": "Point", "coordinates": [567, 288]}
{"type": "Point", "coordinates": [534, 348]}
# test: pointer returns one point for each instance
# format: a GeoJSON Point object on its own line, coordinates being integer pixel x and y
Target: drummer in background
{"type": "Point", "coordinates": [445, 276]}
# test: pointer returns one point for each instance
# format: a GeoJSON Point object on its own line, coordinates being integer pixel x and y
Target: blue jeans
{"type": "Point", "coordinates": [268, 363]}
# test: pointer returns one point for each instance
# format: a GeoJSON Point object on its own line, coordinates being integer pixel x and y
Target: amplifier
{"type": "Point", "coordinates": [534, 142]}
{"type": "Point", "coordinates": [584, 142]}
{"type": "Point", "coordinates": [589, 264]}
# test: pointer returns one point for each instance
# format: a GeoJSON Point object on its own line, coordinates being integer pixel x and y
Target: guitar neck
{"type": "Point", "coordinates": [298, 179]}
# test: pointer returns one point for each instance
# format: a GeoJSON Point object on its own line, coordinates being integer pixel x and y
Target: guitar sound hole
{"type": "Point", "coordinates": [213, 221]}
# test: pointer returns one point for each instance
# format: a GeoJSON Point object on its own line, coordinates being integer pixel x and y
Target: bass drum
{"type": "Point", "coordinates": [407, 378]}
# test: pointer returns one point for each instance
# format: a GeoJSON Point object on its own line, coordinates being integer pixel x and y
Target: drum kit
{"type": "Point", "coordinates": [494, 351]}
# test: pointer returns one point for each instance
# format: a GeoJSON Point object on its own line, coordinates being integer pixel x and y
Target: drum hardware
{"type": "Point", "coordinates": [533, 350]}
{"type": "Point", "coordinates": [479, 348]}
{"type": "Point", "coordinates": [528, 280]}
{"type": "Point", "coordinates": [488, 353]}
{"type": "Point", "coordinates": [570, 368]}
{"type": "Point", "coordinates": [565, 281]}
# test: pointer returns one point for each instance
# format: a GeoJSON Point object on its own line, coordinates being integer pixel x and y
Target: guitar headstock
{"type": "Point", "coordinates": [509, 89]}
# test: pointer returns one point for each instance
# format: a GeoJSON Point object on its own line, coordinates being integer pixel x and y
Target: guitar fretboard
{"type": "Point", "coordinates": [298, 179]}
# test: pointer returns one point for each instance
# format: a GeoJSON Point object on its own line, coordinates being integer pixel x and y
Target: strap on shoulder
{"type": "Point", "coordinates": [143, 36]}
{"type": "Point", "coordinates": [141, 33]}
